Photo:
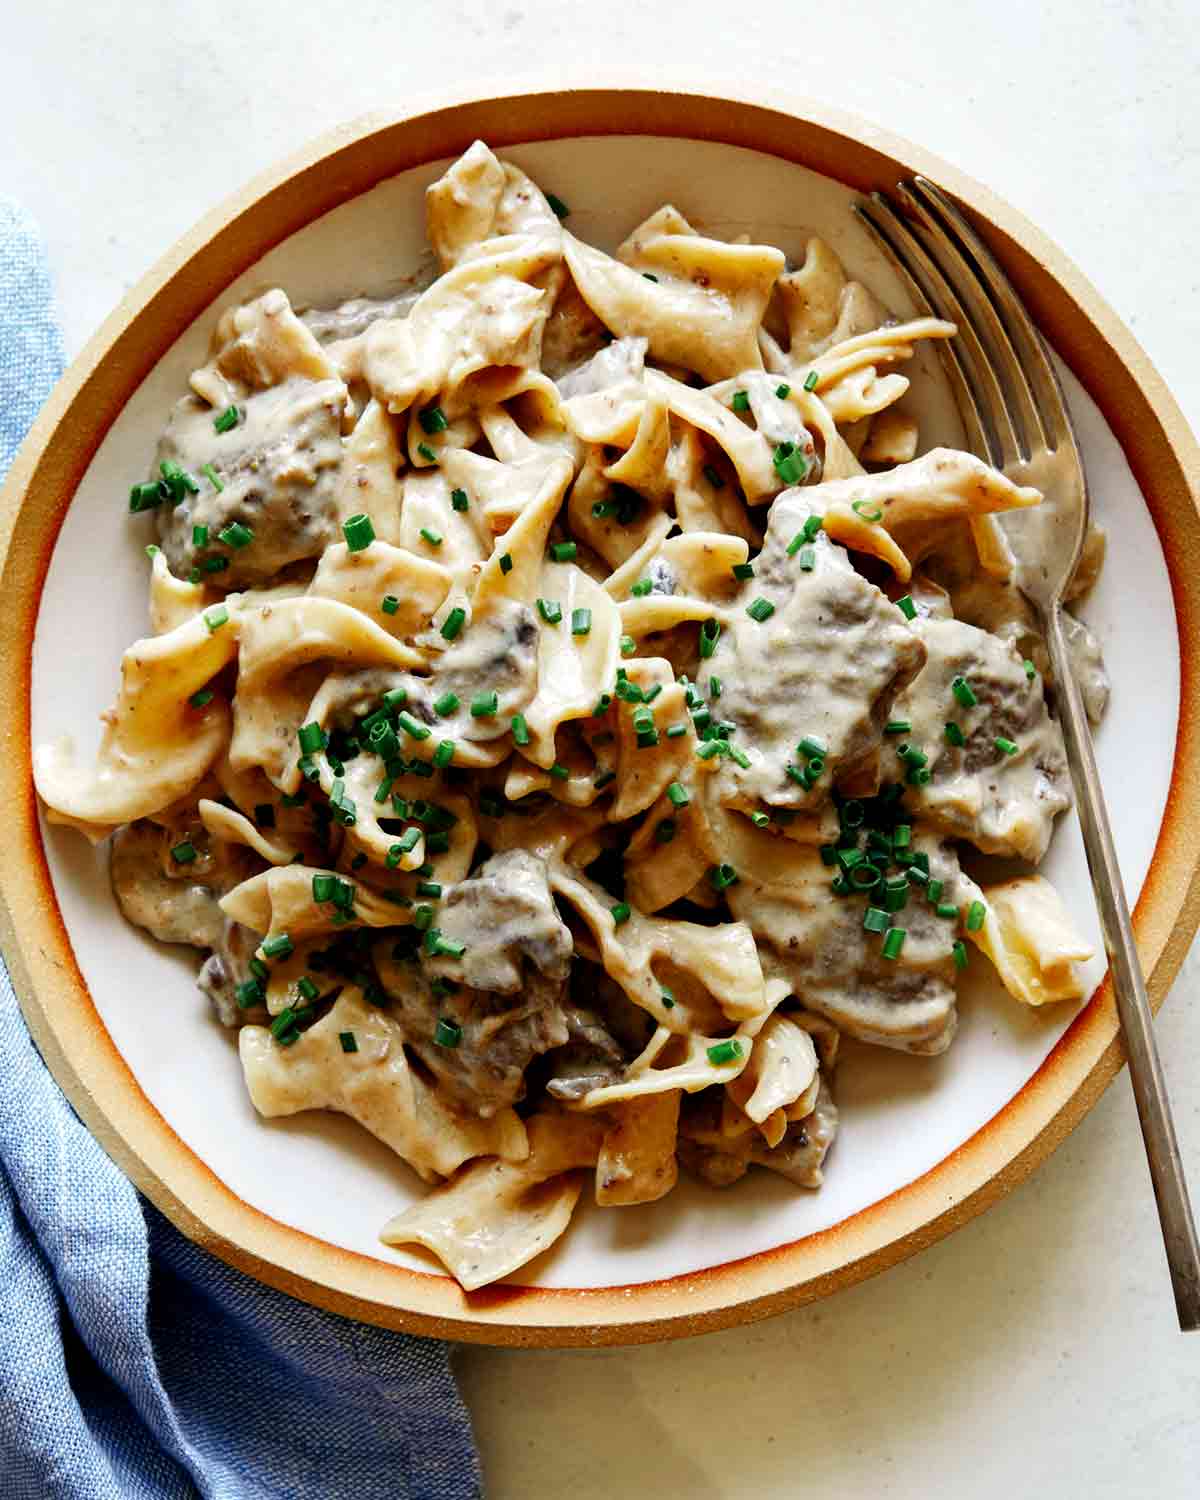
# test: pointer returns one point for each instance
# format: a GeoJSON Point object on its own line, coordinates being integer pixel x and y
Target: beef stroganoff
{"type": "Point", "coordinates": [571, 700]}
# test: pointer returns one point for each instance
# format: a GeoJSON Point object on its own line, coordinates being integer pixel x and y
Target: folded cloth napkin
{"type": "Point", "coordinates": [134, 1366]}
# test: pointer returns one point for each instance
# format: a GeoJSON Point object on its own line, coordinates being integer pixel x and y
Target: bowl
{"type": "Point", "coordinates": [927, 1142]}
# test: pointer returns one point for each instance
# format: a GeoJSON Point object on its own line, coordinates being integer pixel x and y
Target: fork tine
{"type": "Point", "coordinates": [1031, 357]}
{"type": "Point", "coordinates": [971, 290]}
{"type": "Point", "coordinates": [986, 398]}
{"type": "Point", "coordinates": [961, 381]}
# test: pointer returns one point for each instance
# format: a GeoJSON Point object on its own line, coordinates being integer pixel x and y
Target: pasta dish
{"type": "Point", "coordinates": [572, 700]}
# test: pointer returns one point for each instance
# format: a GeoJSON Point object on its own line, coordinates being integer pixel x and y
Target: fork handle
{"type": "Point", "coordinates": [1129, 987]}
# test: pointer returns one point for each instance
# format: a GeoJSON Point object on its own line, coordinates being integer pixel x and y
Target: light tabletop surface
{"type": "Point", "coordinates": [1035, 1352]}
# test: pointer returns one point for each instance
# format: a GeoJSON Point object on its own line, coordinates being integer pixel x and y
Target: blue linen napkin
{"type": "Point", "coordinates": [133, 1365]}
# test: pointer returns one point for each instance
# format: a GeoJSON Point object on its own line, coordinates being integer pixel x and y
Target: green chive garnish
{"type": "Point", "coordinates": [893, 942]}
{"type": "Point", "coordinates": [964, 692]}
{"type": "Point", "coordinates": [955, 736]}
{"type": "Point", "coordinates": [721, 877]}
{"type": "Point", "coordinates": [641, 588]}
{"type": "Point", "coordinates": [359, 532]}
{"type": "Point", "coordinates": [563, 551]}
{"type": "Point", "coordinates": [621, 913]}
{"type": "Point", "coordinates": [810, 380]}
{"type": "Point", "coordinates": [1005, 746]}
{"type": "Point", "coordinates": [581, 621]}
{"type": "Point", "coordinates": [228, 419]}
{"type": "Point", "coordinates": [184, 853]}
{"type": "Point", "coordinates": [875, 919]}
{"type": "Point", "coordinates": [628, 645]}
{"type": "Point", "coordinates": [710, 633]}
{"type": "Point", "coordinates": [447, 1033]}
{"type": "Point", "coordinates": [520, 730]}
{"type": "Point", "coordinates": [215, 618]}
{"type": "Point", "coordinates": [458, 499]}
{"type": "Point", "coordinates": [145, 497]}
{"type": "Point", "coordinates": [1030, 670]}
{"type": "Point", "coordinates": [906, 607]}
{"type": "Point", "coordinates": [742, 571]}
{"type": "Point", "coordinates": [975, 915]}
{"type": "Point", "coordinates": [446, 704]}
{"type": "Point", "coordinates": [413, 727]}
{"type": "Point", "coordinates": [725, 1052]}
{"type": "Point", "coordinates": [741, 401]}
{"type": "Point", "coordinates": [432, 420]}
{"type": "Point", "coordinates": [898, 726]}
{"type": "Point", "coordinates": [960, 954]}
{"type": "Point", "coordinates": [236, 535]}
{"type": "Point", "coordinates": [201, 699]}
{"type": "Point", "coordinates": [783, 391]}
{"type": "Point", "coordinates": [213, 477]}
{"type": "Point", "coordinates": [389, 604]}
{"type": "Point", "coordinates": [760, 610]}
{"type": "Point", "coordinates": [434, 538]}
{"type": "Point", "coordinates": [427, 453]}
{"type": "Point", "coordinates": [444, 753]}
{"type": "Point", "coordinates": [199, 536]}
{"type": "Point", "coordinates": [453, 623]}
{"type": "Point", "coordinates": [484, 705]}
{"type": "Point", "coordinates": [558, 207]}
{"type": "Point", "coordinates": [506, 562]}
{"type": "Point", "coordinates": [867, 511]}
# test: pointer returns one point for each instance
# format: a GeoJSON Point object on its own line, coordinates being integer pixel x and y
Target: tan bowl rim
{"type": "Point", "coordinates": [338, 166]}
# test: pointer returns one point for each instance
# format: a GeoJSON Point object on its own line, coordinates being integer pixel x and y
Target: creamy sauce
{"type": "Point", "coordinates": [1004, 803]}
{"type": "Point", "coordinates": [837, 967]}
{"type": "Point", "coordinates": [505, 992]}
{"type": "Point", "coordinates": [721, 1160]}
{"type": "Point", "coordinates": [827, 664]}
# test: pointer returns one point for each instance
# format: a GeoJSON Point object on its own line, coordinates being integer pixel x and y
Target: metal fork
{"type": "Point", "coordinates": [1015, 415]}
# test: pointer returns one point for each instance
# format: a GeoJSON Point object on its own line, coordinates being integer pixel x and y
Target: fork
{"type": "Point", "coordinates": [1015, 415]}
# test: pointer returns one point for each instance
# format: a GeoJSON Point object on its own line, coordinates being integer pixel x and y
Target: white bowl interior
{"type": "Point", "coordinates": [900, 1115]}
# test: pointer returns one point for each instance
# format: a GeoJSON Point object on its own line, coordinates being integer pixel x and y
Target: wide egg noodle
{"type": "Point", "coordinates": [374, 1085]}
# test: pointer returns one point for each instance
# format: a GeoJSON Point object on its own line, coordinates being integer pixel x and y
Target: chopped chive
{"type": "Point", "coordinates": [603, 704]}
{"type": "Point", "coordinates": [1030, 669]}
{"type": "Point", "coordinates": [444, 753]}
{"type": "Point", "coordinates": [725, 1052]}
{"type": "Point", "coordinates": [790, 465]}
{"type": "Point", "coordinates": [453, 623]}
{"type": "Point", "coordinates": [934, 890]}
{"type": "Point", "coordinates": [807, 559]}
{"type": "Point", "coordinates": [1005, 746]}
{"type": "Point", "coordinates": [506, 562]}
{"type": "Point", "coordinates": [649, 276]}
{"type": "Point", "coordinates": [581, 621]}
{"type": "Point", "coordinates": [228, 419]}
{"type": "Point", "coordinates": [215, 618]}
{"type": "Point", "coordinates": [713, 476]}
{"type": "Point", "coordinates": [721, 877]}
{"type": "Point", "coordinates": [427, 453]}
{"type": "Point", "coordinates": [447, 1033]}
{"type": "Point", "coordinates": [349, 1042]}
{"type": "Point", "coordinates": [902, 836]}
{"type": "Point", "coordinates": [236, 535]}
{"type": "Point", "coordinates": [429, 888]}
{"type": "Point", "coordinates": [715, 686]}
{"type": "Point", "coordinates": [955, 736]}
{"type": "Point", "coordinates": [783, 391]}
{"type": "Point", "coordinates": [795, 544]}
{"type": "Point", "coordinates": [603, 779]}
{"type": "Point", "coordinates": [811, 527]}
{"type": "Point", "coordinates": [641, 588]}
{"type": "Point", "coordinates": [389, 604]}
{"type": "Point", "coordinates": [359, 532]}
{"type": "Point", "coordinates": [550, 610]}
{"type": "Point", "coordinates": [876, 920]}
{"type": "Point", "coordinates": [676, 730]}
{"type": "Point", "coordinates": [664, 830]}
{"type": "Point", "coordinates": [628, 645]}
{"type": "Point", "coordinates": [677, 794]}
{"type": "Point", "coordinates": [201, 699]}
{"type": "Point", "coordinates": [563, 551]}
{"type": "Point", "coordinates": [177, 481]}
{"type": "Point", "coordinates": [384, 790]}
{"type": "Point", "coordinates": [395, 698]}
{"type": "Point", "coordinates": [558, 771]}
{"type": "Point", "coordinates": [413, 727]}
{"type": "Point", "coordinates": [810, 747]}
{"type": "Point", "coordinates": [423, 918]}
{"type": "Point", "coordinates": [760, 819]}
{"type": "Point", "coordinates": [906, 607]}
{"type": "Point", "coordinates": [960, 954]}
{"type": "Point", "coordinates": [446, 704]}
{"type": "Point", "coordinates": [739, 756]}
{"type": "Point", "coordinates": [434, 538]}
{"type": "Point", "coordinates": [650, 693]}
{"type": "Point", "coordinates": [975, 915]}
{"type": "Point", "coordinates": [279, 946]}
{"type": "Point", "coordinates": [432, 420]}
{"type": "Point", "coordinates": [213, 477]}
{"type": "Point", "coordinates": [323, 887]}
{"type": "Point", "coordinates": [621, 913]}
{"type": "Point", "coordinates": [810, 380]}
{"type": "Point", "coordinates": [484, 705]}
{"type": "Point", "coordinates": [742, 571]}
{"type": "Point", "coordinates": [866, 510]}
{"type": "Point", "coordinates": [898, 726]}
{"type": "Point", "coordinates": [214, 564]}
{"type": "Point", "coordinates": [249, 993]}
{"type": "Point", "coordinates": [829, 854]}
{"type": "Point", "coordinates": [199, 536]}
{"type": "Point", "coordinates": [459, 501]}
{"type": "Point", "coordinates": [557, 206]}
{"type": "Point", "coordinates": [184, 852]}
{"type": "Point", "coordinates": [947, 909]}
{"type": "Point", "coordinates": [741, 401]}
{"type": "Point", "coordinates": [438, 946]}
{"type": "Point", "coordinates": [964, 692]}
{"type": "Point", "coordinates": [893, 942]}
{"type": "Point", "coordinates": [710, 632]}
{"type": "Point", "coordinates": [761, 610]}
{"type": "Point", "coordinates": [667, 997]}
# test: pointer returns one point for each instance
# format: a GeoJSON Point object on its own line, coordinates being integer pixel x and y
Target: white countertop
{"type": "Point", "coordinates": [1033, 1353]}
